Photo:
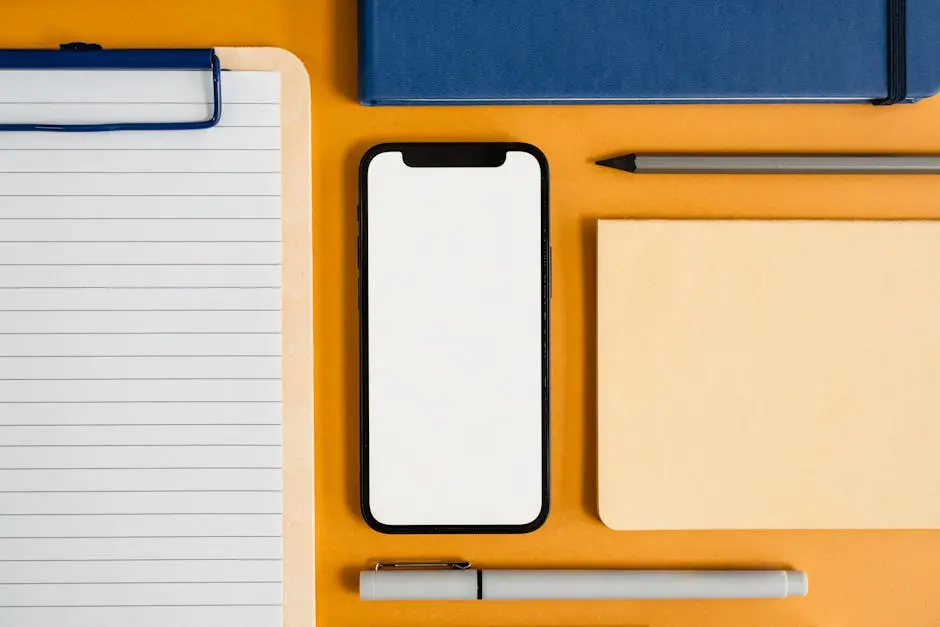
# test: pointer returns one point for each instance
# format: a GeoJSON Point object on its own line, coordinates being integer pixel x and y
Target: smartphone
{"type": "Point", "coordinates": [454, 290]}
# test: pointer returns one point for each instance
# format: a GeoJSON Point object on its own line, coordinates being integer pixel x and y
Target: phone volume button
{"type": "Point", "coordinates": [550, 271]}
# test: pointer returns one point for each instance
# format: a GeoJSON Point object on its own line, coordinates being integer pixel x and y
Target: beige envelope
{"type": "Point", "coordinates": [768, 374]}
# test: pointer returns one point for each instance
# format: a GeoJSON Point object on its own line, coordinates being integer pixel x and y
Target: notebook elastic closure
{"type": "Point", "coordinates": [897, 54]}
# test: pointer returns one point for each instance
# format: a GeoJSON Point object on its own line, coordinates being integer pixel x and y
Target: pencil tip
{"type": "Point", "coordinates": [627, 163]}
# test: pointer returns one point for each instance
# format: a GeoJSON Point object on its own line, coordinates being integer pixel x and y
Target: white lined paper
{"type": "Point", "coordinates": [111, 344]}
{"type": "Point", "coordinates": [131, 456]}
{"type": "Point", "coordinates": [117, 477]}
{"type": "Point", "coordinates": [141, 321]}
{"type": "Point", "coordinates": [154, 593]}
{"type": "Point", "coordinates": [132, 184]}
{"type": "Point", "coordinates": [153, 89]}
{"type": "Point", "coordinates": [140, 353]}
{"type": "Point", "coordinates": [154, 616]}
{"type": "Point", "coordinates": [85, 253]}
{"type": "Point", "coordinates": [145, 413]}
{"type": "Point", "coordinates": [119, 550]}
{"type": "Point", "coordinates": [153, 367]}
{"type": "Point", "coordinates": [142, 435]}
{"type": "Point", "coordinates": [140, 525]}
{"type": "Point", "coordinates": [143, 276]}
{"type": "Point", "coordinates": [141, 571]}
{"type": "Point", "coordinates": [154, 208]}
{"type": "Point", "coordinates": [143, 230]}
{"type": "Point", "coordinates": [247, 115]}
{"type": "Point", "coordinates": [73, 298]}
{"type": "Point", "coordinates": [27, 503]}
{"type": "Point", "coordinates": [220, 138]}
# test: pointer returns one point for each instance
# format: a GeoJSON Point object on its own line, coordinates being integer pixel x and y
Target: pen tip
{"type": "Point", "coordinates": [627, 163]}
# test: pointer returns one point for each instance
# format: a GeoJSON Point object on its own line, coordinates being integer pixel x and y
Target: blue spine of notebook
{"type": "Point", "coordinates": [641, 51]}
{"type": "Point", "coordinates": [82, 56]}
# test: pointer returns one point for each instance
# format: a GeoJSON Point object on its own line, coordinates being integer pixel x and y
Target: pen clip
{"type": "Point", "coordinates": [456, 565]}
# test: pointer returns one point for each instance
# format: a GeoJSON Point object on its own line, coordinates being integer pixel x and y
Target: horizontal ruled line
{"type": "Point", "coordinates": [139, 445]}
{"type": "Point", "coordinates": [142, 424]}
{"type": "Point", "coordinates": [151, 559]}
{"type": "Point", "coordinates": [37, 379]}
{"type": "Point", "coordinates": [128, 583]}
{"type": "Point", "coordinates": [144, 287]}
{"type": "Point", "coordinates": [149, 468]}
{"type": "Point", "coordinates": [137, 172]}
{"type": "Point", "coordinates": [138, 265]}
{"type": "Point", "coordinates": [141, 333]}
{"type": "Point", "coordinates": [123, 310]}
{"type": "Point", "coordinates": [140, 241]}
{"type": "Point", "coordinates": [214, 218]}
{"type": "Point", "coordinates": [128, 102]}
{"type": "Point", "coordinates": [220, 125]}
{"type": "Point", "coordinates": [137, 491]}
{"type": "Point", "coordinates": [150, 606]}
{"type": "Point", "coordinates": [126, 356]}
{"type": "Point", "coordinates": [140, 195]}
{"type": "Point", "coordinates": [78, 514]}
{"type": "Point", "coordinates": [130, 537]}
{"type": "Point", "coordinates": [142, 149]}
{"type": "Point", "coordinates": [129, 402]}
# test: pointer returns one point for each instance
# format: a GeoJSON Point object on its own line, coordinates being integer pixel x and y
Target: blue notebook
{"type": "Point", "coordinates": [634, 51]}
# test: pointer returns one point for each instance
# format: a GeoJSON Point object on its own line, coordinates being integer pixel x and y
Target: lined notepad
{"type": "Point", "coordinates": [140, 354]}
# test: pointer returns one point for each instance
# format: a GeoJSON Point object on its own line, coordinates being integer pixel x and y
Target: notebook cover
{"type": "Point", "coordinates": [768, 374]}
{"type": "Point", "coordinates": [597, 51]}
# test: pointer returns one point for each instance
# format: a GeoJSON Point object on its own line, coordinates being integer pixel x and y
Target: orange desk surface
{"type": "Point", "coordinates": [857, 579]}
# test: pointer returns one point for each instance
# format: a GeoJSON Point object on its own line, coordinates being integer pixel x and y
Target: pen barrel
{"type": "Point", "coordinates": [786, 164]}
{"type": "Point", "coordinates": [580, 584]}
{"type": "Point", "coordinates": [641, 584]}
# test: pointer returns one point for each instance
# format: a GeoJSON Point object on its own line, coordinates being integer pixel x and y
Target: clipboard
{"type": "Point", "coordinates": [297, 232]}
{"type": "Point", "coordinates": [297, 466]}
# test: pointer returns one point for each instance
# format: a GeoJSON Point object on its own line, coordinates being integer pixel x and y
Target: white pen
{"type": "Point", "coordinates": [455, 581]}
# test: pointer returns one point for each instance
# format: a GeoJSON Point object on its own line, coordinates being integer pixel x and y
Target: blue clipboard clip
{"type": "Point", "coordinates": [85, 56]}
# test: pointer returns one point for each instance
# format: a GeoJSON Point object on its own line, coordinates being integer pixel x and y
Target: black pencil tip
{"type": "Point", "coordinates": [627, 163]}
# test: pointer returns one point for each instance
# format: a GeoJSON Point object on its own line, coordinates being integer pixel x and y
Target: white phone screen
{"type": "Point", "coordinates": [455, 322]}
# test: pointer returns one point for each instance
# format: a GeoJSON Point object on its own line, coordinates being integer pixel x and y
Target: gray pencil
{"type": "Point", "coordinates": [773, 164]}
